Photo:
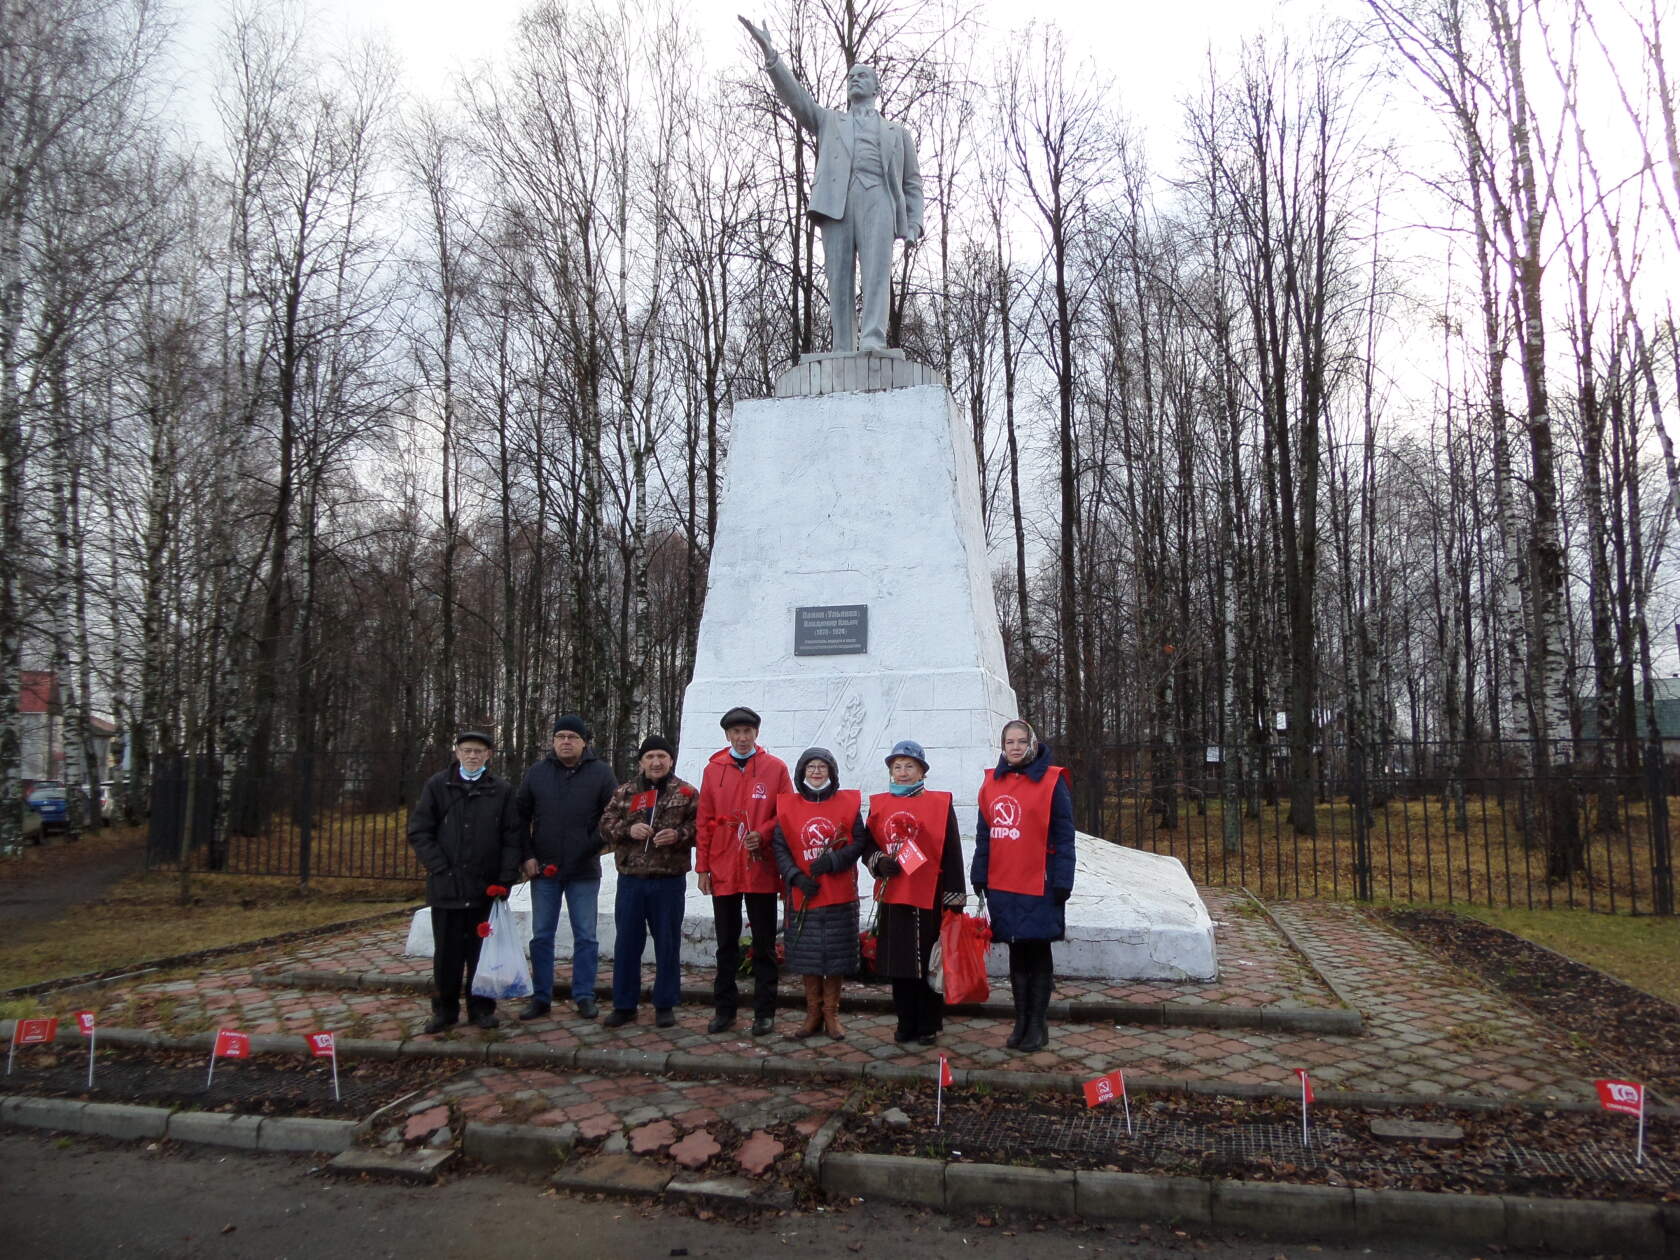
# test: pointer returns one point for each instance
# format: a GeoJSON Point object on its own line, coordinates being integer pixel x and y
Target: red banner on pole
{"type": "Point", "coordinates": [1306, 1085]}
{"type": "Point", "coordinates": [232, 1045]}
{"type": "Point", "coordinates": [1627, 1097]}
{"type": "Point", "coordinates": [35, 1032]}
{"type": "Point", "coordinates": [945, 1077]}
{"type": "Point", "coordinates": [1105, 1088]}
{"type": "Point", "coordinates": [84, 1021]}
{"type": "Point", "coordinates": [321, 1045]}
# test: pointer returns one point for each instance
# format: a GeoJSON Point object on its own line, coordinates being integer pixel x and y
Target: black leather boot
{"type": "Point", "coordinates": [1039, 986]}
{"type": "Point", "coordinates": [1018, 981]}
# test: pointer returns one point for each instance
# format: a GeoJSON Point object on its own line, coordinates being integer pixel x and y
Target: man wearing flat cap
{"type": "Point", "coordinates": [465, 831]}
{"type": "Point", "coordinates": [650, 825]}
{"type": "Point", "coordinates": [560, 801]}
{"type": "Point", "coordinates": [738, 794]}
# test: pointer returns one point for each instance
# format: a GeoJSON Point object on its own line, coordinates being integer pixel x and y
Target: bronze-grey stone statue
{"type": "Point", "coordinates": [867, 191]}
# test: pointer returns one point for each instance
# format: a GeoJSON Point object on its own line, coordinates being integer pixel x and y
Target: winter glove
{"type": "Point", "coordinates": [806, 884]}
{"type": "Point", "coordinates": [1062, 894]}
{"type": "Point", "coordinates": [886, 867]}
{"type": "Point", "coordinates": [823, 864]}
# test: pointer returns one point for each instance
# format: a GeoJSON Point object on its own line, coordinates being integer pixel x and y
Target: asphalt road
{"type": "Point", "coordinates": [87, 1197]}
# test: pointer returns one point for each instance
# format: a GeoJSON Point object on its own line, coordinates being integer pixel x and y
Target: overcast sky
{"type": "Point", "coordinates": [1153, 51]}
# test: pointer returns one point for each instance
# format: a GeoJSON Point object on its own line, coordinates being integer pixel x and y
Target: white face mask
{"type": "Point", "coordinates": [472, 776]}
{"type": "Point", "coordinates": [817, 787]}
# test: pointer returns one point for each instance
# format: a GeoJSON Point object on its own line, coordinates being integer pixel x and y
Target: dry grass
{"type": "Point", "coordinates": [1419, 853]}
{"type": "Point", "coordinates": [1641, 951]}
{"type": "Point", "coordinates": [141, 919]}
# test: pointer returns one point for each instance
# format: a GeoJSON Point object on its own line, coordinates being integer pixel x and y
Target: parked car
{"type": "Point", "coordinates": [110, 808]}
{"type": "Point", "coordinates": [47, 798]}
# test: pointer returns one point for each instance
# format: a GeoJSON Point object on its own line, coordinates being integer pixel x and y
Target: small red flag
{"type": "Point", "coordinates": [232, 1045]}
{"type": "Point", "coordinates": [644, 800]}
{"type": "Point", "coordinates": [84, 1021]}
{"type": "Point", "coordinates": [33, 1032]}
{"type": "Point", "coordinates": [945, 1077]}
{"type": "Point", "coordinates": [1105, 1088]}
{"type": "Point", "coordinates": [1627, 1097]}
{"type": "Point", "coordinates": [1306, 1084]}
{"type": "Point", "coordinates": [321, 1045]}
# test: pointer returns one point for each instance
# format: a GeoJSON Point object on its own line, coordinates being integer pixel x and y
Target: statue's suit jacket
{"type": "Point", "coordinates": [833, 129]}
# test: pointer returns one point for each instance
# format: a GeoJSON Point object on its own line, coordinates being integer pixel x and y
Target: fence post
{"type": "Point", "coordinates": [1662, 856]}
{"type": "Point", "coordinates": [1361, 823]}
{"type": "Point", "coordinates": [305, 815]}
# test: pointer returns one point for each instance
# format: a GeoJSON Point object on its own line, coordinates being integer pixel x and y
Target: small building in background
{"type": "Point", "coordinates": [1667, 694]}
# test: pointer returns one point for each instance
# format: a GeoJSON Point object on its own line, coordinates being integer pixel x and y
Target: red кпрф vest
{"type": "Point", "coordinates": [810, 827]}
{"type": "Point", "coordinates": [1017, 814]}
{"type": "Point", "coordinates": [895, 820]}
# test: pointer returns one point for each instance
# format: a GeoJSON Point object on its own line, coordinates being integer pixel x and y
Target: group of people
{"type": "Point", "coordinates": [758, 838]}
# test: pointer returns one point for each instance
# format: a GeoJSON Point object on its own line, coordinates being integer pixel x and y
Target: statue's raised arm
{"type": "Point", "coordinates": [866, 191]}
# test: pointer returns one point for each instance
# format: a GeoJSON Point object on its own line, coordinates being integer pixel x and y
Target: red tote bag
{"type": "Point", "coordinates": [963, 941]}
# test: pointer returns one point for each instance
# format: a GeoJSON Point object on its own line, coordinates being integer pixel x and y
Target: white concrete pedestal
{"type": "Point", "coordinates": [853, 498]}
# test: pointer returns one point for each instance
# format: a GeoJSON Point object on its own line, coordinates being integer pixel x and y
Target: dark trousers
{"type": "Point", "coordinates": [455, 947]}
{"type": "Point", "coordinates": [920, 1011]}
{"type": "Point", "coordinates": [1031, 957]}
{"type": "Point", "coordinates": [726, 916]}
{"type": "Point", "coordinates": [642, 905]}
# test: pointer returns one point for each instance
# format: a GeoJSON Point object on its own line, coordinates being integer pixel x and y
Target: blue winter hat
{"type": "Point", "coordinates": [908, 748]}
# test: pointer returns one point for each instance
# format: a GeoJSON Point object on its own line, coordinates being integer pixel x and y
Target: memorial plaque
{"type": "Point", "coordinates": [831, 630]}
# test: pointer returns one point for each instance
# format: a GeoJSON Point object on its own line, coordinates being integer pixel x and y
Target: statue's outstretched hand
{"type": "Point", "coordinates": [760, 35]}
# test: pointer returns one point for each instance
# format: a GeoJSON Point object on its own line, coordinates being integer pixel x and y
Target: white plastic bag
{"type": "Point", "coordinates": [420, 934]}
{"type": "Point", "coordinates": [502, 972]}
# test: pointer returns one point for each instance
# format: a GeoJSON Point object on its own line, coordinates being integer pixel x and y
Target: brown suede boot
{"type": "Point", "coordinates": [813, 1010]}
{"type": "Point", "coordinates": [831, 1008]}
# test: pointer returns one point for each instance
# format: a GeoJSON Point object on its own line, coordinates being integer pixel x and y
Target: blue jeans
{"type": "Point", "coordinates": [648, 904]}
{"type": "Point", "coordinates": [581, 896]}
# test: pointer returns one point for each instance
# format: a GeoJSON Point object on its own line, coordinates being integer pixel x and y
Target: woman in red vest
{"type": "Point", "coordinates": [818, 836]}
{"type": "Point", "coordinates": [1023, 865]}
{"type": "Point", "coordinates": [916, 850]}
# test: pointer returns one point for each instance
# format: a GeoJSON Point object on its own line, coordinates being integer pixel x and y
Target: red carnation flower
{"type": "Point", "coordinates": [551, 870]}
{"type": "Point", "coordinates": [496, 890]}
{"type": "Point", "coordinates": [484, 929]}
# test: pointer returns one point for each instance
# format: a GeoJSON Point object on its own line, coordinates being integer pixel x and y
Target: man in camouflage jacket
{"type": "Point", "coordinates": [649, 824]}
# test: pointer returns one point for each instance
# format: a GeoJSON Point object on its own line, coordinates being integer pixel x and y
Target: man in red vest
{"type": "Point", "coordinates": [738, 794]}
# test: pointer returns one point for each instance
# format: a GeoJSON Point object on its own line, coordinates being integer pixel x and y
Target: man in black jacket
{"type": "Point", "coordinates": [465, 831]}
{"type": "Point", "coordinates": [560, 801]}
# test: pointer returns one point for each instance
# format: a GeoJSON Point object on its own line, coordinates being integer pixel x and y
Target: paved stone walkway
{"type": "Point", "coordinates": [1430, 1029]}
{"type": "Point", "coordinates": [1258, 968]}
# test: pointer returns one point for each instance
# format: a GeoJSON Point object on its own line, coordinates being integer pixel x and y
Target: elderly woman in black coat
{"type": "Point", "coordinates": [818, 836]}
{"type": "Point", "coordinates": [915, 849]}
{"type": "Point", "coordinates": [1023, 865]}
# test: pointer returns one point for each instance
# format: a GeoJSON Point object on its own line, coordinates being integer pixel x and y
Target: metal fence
{"type": "Point", "coordinates": [1434, 822]}
{"type": "Point", "coordinates": [1406, 822]}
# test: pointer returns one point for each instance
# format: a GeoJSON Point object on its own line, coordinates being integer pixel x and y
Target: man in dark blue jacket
{"type": "Point", "coordinates": [560, 802]}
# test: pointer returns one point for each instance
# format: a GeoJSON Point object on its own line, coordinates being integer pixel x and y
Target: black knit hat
{"type": "Point", "coordinates": [573, 723]}
{"type": "Point", "coordinates": [740, 715]}
{"type": "Point", "coordinates": [655, 743]}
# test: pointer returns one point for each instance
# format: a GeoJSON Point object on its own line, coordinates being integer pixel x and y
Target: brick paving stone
{"type": "Point", "coordinates": [650, 1137]}
{"type": "Point", "coordinates": [597, 1126]}
{"type": "Point", "coordinates": [695, 1149]}
{"type": "Point", "coordinates": [426, 1123]}
{"type": "Point", "coordinates": [758, 1153]}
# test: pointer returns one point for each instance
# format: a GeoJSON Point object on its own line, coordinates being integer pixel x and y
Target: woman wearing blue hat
{"type": "Point", "coordinates": [917, 854]}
